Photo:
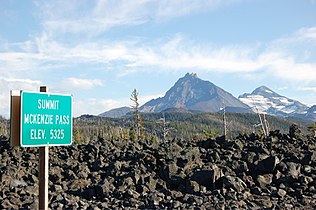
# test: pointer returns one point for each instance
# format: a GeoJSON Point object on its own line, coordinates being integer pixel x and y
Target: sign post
{"type": "Point", "coordinates": [15, 113]}
{"type": "Point", "coordinates": [43, 171]}
{"type": "Point", "coordinates": [41, 119]}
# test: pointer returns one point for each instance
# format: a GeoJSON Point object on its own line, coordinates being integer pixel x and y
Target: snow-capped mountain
{"type": "Point", "coordinates": [266, 101]}
{"type": "Point", "coordinates": [194, 94]}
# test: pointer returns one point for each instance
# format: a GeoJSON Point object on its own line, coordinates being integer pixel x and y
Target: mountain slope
{"type": "Point", "coordinates": [116, 113]}
{"type": "Point", "coordinates": [192, 93]}
{"type": "Point", "coordinates": [269, 102]}
{"type": "Point", "coordinates": [310, 114]}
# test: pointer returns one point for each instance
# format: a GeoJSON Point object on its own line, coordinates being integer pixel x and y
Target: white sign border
{"type": "Point", "coordinates": [21, 121]}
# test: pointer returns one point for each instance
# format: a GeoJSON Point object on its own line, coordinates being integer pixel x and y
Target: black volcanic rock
{"type": "Point", "coordinates": [178, 174]}
{"type": "Point", "coordinates": [267, 165]}
{"type": "Point", "coordinates": [193, 93]}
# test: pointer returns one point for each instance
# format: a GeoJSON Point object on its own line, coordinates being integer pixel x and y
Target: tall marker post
{"type": "Point", "coordinates": [41, 119]}
{"type": "Point", "coordinates": [43, 171]}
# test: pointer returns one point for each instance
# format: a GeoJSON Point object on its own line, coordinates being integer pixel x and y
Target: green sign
{"type": "Point", "coordinates": [46, 119]}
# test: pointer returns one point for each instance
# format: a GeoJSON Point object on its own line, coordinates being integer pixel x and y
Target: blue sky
{"type": "Point", "coordinates": [100, 50]}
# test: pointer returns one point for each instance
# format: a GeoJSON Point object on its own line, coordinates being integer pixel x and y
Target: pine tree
{"type": "Point", "coordinates": [138, 123]}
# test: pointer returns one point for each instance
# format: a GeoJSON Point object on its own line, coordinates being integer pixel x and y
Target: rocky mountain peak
{"type": "Point", "coordinates": [193, 93]}
{"type": "Point", "coordinates": [190, 75]}
{"type": "Point", "coordinates": [264, 91]}
{"type": "Point", "coordinates": [190, 89]}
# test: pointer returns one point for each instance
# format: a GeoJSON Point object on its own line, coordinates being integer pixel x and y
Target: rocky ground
{"type": "Point", "coordinates": [249, 172]}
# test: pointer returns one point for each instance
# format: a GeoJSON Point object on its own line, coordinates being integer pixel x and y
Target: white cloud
{"type": "Point", "coordinates": [7, 84]}
{"type": "Point", "coordinates": [60, 17]}
{"type": "Point", "coordinates": [17, 61]}
{"type": "Point", "coordinates": [308, 34]}
{"type": "Point", "coordinates": [300, 45]}
{"type": "Point", "coordinates": [291, 71]}
{"type": "Point", "coordinates": [95, 106]}
{"type": "Point", "coordinates": [283, 88]}
{"type": "Point", "coordinates": [176, 53]}
{"type": "Point", "coordinates": [81, 84]}
{"type": "Point", "coordinates": [288, 58]}
{"type": "Point", "coordinates": [305, 35]}
{"type": "Point", "coordinates": [313, 89]}
{"type": "Point", "coordinates": [291, 58]}
{"type": "Point", "coordinates": [144, 99]}
{"type": "Point", "coordinates": [174, 8]}
{"type": "Point", "coordinates": [69, 39]}
{"type": "Point", "coordinates": [99, 16]}
{"type": "Point", "coordinates": [285, 67]}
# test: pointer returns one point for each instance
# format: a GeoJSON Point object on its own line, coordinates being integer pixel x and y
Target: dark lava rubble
{"type": "Point", "coordinates": [248, 172]}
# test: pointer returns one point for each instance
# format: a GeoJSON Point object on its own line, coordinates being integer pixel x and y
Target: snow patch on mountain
{"type": "Point", "coordinates": [267, 101]}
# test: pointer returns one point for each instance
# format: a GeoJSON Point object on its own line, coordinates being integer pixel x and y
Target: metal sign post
{"type": "Point", "coordinates": [43, 171]}
{"type": "Point", "coordinates": [41, 119]}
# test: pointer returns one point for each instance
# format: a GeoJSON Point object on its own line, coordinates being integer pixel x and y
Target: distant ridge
{"type": "Point", "coordinates": [116, 113]}
{"type": "Point", "coordinates": [174, 109]}
{"type": "Point", "coordinates": [310, 114]}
